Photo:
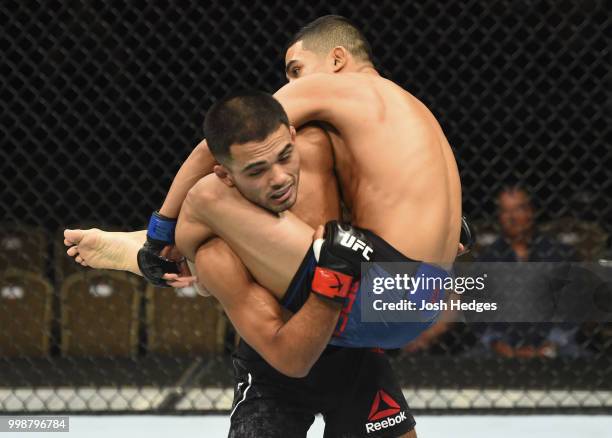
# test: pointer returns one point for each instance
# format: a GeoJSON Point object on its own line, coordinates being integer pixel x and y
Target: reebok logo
{"type": "Point", "coordinates": [350, 241]}
{"type": "Point", "coordinates": [389, 408]}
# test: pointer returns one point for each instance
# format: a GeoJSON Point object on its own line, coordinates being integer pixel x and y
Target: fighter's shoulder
{"type": "Point", "coordinates": [340, 86]}
{"type": "Point", "coordinates": [206, 189]}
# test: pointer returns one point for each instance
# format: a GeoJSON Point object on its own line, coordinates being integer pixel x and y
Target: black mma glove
{"type": "Point", "coordinates": [343, 250]}
{"type": "Point", "coordinates": [153, 266]}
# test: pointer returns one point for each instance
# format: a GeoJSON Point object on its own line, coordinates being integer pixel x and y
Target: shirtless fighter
{"type": "Point", "coordinates": [392, 160]}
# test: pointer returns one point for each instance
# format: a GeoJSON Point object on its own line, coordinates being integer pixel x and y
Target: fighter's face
{"type": "Point", "coordinates": [301, 62]}
{"type": "Point", "coordinates": [515, 214]}
{"type": "Point", "coordinates": [267, 172]}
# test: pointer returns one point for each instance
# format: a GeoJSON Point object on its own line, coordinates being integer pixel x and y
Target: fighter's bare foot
{"type": "Point", "coordinates": [102, 250]}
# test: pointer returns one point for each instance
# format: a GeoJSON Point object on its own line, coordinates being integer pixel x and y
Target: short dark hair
{"type": "Point", "coordinates": [241, 117]}
{"type": "Point", "coordinates": [329, 31]}
{"type": "Point", "coordinates": [512, 189]}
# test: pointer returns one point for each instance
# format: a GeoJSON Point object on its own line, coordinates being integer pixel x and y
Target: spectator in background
{"type": "Point", "coordinates": [520, 241]}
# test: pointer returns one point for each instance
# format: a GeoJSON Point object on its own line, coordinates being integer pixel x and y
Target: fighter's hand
{"type": "Point", "coordinates": [338, 267]}
{"type": "Point", "coordinates": [184, 277]}
{"type": "Point", "coordinates": [152, 264]}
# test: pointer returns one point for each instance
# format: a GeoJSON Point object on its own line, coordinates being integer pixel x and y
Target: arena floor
{"type": "Point", "coordinates": [464, 426]}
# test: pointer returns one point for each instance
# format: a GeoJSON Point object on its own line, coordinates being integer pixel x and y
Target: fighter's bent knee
{"type": "Point", "coordinates": [204, 191]}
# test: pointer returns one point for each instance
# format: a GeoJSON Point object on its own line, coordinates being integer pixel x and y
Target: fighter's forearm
{"type": "Point", "coordinates": [199, 164]}
{"type": "Point", "coordinates": [322, 97]}
{"type": "Point", "coordinates": [298, 344]}
{"type": "Point", "coordinates": [298, 106]}
{"type": "Point", "coordinates": [289, 343]}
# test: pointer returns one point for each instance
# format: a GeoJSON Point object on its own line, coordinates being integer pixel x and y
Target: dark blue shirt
{"type": "Point", "coordinates": [541, 249]}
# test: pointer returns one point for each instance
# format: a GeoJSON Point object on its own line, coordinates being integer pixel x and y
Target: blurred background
{"type": "Point", "coordinates": [102, 101]}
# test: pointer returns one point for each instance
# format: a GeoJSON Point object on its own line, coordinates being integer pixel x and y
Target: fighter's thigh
{"type": "Point", "coordinates": [267, 418]}
{"type": "Point", "coordinates": [376, 406]}
{"type": "Point", "coordinates": [271, 246]}
{"type": "Point", "coordinates": [260, 409]}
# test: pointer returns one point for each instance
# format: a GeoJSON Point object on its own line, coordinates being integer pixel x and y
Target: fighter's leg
{"type": "Point", "coordinates": [105, 250]}
{"type": "Point", "coordinates": [272, 247]}
{"type": "Point", "coordinates": [374, 406]}
{"type": "Point", "coordinates": [257, 414]}
{"type": "Point", "coordinates": [100, 249]}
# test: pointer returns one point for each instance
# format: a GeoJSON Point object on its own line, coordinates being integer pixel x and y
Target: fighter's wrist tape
{"type": "Point", "coordinates": [331, 284]}
{"type": "Point", "coordinates": [161, 228]}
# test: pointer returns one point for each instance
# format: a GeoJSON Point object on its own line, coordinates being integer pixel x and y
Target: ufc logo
{"type": "Point", "coordinates": [350, 241]}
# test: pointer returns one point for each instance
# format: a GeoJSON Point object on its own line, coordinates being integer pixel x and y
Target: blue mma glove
{"type": "Point", "coordinates": [160, 233]}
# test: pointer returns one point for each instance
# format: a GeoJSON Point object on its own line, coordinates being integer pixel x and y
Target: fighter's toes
{"type": "Point", "coordinates": [73, 237]}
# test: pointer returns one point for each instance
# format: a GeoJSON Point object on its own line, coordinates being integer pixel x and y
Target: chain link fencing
{"type": "Point", "coordinates": [102, 101]}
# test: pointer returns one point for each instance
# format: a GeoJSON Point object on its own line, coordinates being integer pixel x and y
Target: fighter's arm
{"type": "Point", "coordinates": [315, 97]}
{"type": "Point", "coordinates": [161, 228]}
{"type": "Point", "coordinates": [331, 98]}
{"type": "Point", "coordinates": [199, 164]}
{"type": "Point", "coordinates": [191, 229]}
{"type": "Point", "coordinates": [291, 344]}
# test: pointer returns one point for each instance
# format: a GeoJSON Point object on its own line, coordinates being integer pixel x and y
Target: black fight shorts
{"type": "Point", "coordinates": [355, 390]}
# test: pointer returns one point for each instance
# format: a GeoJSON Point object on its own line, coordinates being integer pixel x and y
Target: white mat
{"type": "Point", "coordinates": [468, 426]}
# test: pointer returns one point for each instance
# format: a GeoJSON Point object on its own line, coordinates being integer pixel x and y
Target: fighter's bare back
{"type": "Point", "coordinates": [396, 168]}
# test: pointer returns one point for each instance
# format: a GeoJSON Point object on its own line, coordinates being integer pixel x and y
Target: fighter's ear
{"type": "Point", "coordinates": [224, 175]}
{"type": "Point", "coordinates": [340, 58]}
